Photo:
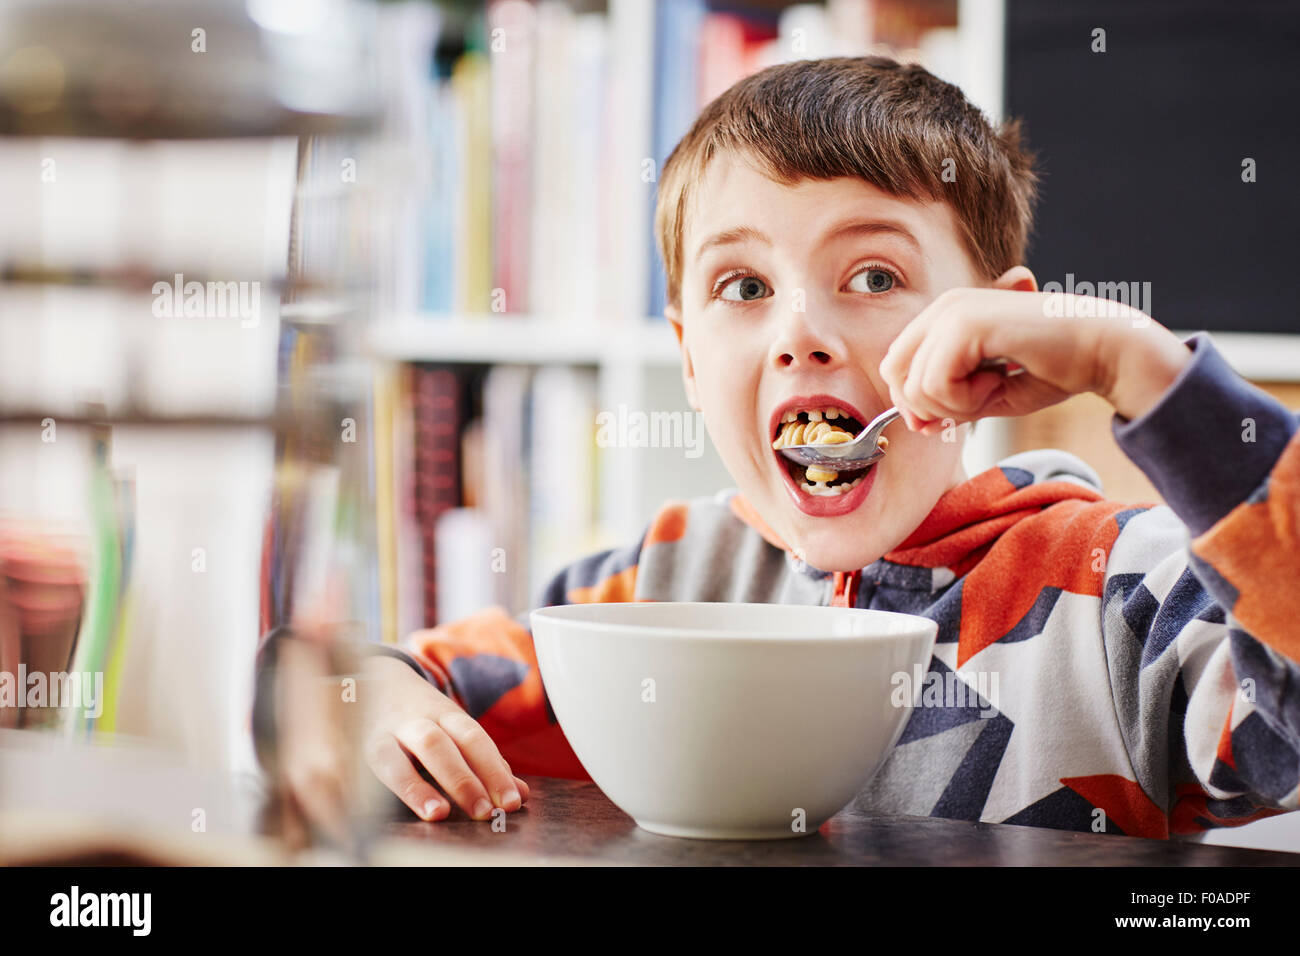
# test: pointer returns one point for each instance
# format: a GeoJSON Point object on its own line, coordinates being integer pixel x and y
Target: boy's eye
{"type": "Point", "coordinates": [872, 280]}
{"type": "Point", "coordinates": [745, 289]}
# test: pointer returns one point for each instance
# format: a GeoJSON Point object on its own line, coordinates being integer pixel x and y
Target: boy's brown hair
{"type": "Point", "coordinates": [890, 124]}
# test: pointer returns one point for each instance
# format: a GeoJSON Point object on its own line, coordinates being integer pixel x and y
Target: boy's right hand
{"type": "Point", "coordinates": [408, 724]}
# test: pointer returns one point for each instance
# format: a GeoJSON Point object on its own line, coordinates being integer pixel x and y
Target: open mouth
{"type": "Point", "coordinates": [819, 419]}
{"type": "Point", "coordinates": [823, 424]}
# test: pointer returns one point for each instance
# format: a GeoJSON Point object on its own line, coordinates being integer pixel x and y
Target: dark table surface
{"type": "Point", "coordinates": [568, 820]}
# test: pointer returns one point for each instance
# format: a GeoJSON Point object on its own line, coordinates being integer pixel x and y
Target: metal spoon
{"type": "Point", "coordinates": [865, 450]}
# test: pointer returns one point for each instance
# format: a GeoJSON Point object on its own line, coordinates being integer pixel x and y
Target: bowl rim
{"type": "Point", "coordinates": [557, 613]}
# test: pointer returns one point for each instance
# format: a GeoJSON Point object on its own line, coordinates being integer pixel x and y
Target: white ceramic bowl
{"type": "Point", "coordinates": [729, 721]}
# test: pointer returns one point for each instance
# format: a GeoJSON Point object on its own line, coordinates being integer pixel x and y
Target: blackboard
{"type": "Point", "coordinates": [1142, 146]}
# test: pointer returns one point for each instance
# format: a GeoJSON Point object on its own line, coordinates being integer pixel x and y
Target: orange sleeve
{"type": "Point", "coordinates": [488, 661]}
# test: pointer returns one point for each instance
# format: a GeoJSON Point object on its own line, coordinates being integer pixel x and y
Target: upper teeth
{"type": "Point", "coordinates": [816, 414]}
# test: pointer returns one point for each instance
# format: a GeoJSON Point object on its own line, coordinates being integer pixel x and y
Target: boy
{"type": "Point", "coordinates": [844, 235]}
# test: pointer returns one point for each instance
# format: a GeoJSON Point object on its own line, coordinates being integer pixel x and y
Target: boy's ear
{"type": "Point", "coordinates": [674, 317]}
{"type": "Point", "coordinates": [1017, 279]}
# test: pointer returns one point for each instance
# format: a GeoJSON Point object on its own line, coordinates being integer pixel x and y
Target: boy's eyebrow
{"type": "Point", "coordinates": [730, 237]}
{"type": "Point", "coordinates": [871, 227]}
{"type": "Point", "coordinates": [860, 227]}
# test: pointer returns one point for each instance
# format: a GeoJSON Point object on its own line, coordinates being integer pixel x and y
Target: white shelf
{"type": "Point", "coordinates": [524, 340]}
{"type": "Point", "coordinates": [1257, 356]}
{"type": "Point", "coordinates": [540, 341]}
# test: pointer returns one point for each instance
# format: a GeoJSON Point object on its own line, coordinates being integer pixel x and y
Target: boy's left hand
{"type": "Point", "coordinates": [1121, 354]}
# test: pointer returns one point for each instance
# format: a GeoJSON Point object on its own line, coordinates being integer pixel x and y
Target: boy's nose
{"type": "Point", "coordinates": [815, 357]}
{"type": "Point", "coordinates": [800, 342]}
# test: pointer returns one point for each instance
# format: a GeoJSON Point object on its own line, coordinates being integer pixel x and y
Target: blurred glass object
{"type": "Point", "coordinates": [179, 69]}
{"type": "Point", "coordinates": [42, 594]}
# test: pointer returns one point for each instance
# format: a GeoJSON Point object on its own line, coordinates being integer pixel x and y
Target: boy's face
{"type": "Point", "coordinates": [790, 297]}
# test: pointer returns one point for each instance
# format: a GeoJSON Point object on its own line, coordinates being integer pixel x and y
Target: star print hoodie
{"type": "Point", "coordinates": [1127, 668]}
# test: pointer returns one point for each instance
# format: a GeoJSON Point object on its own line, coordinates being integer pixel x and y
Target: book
{"type": "Point", "coordinates": [438, 416]}
{"type": "Point", "coordinates": [562, 493]}
{"type": "Point", "coordinates": [628, 174]}
{"type": "Point", "coordinates": [507, 440]}
{"type": "Point", "coordinates": [465, 562]}
{"type": "Point", "coordinates": [470, 86]}
{"type": "Point", "coordinates": [552, 212]}
{"type": "Point", "coordinates": [512, 48]}
{"type": "Point", "coordinates": [677, 30]}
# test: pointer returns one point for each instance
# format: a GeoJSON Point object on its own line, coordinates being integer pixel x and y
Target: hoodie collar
{"type": "Point", "coordinates": [970, 516]}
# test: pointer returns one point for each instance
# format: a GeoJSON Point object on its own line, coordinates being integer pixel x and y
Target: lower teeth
{"type": "Point", "coordinates": [822, 490]}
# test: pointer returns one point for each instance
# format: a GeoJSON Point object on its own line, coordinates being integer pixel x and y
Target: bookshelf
{"type": "Point", "coordinates": [538, 200]}
{"type": "Point", "coordinates": [636, 364]}
{"type": "Point", "coordinates": [522, 254]}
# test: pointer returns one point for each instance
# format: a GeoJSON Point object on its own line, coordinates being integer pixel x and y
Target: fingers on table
{"type": "Point", "coordinates": [460, 757]}
{"type": "Point", "coordinates": [483, 758]}
{"type": "Point", "coordinates": [395, 771]}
